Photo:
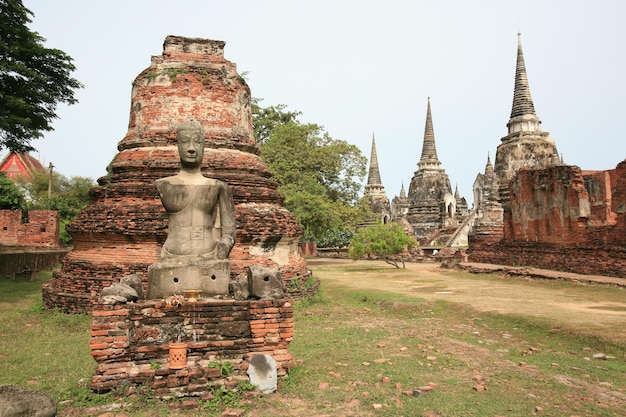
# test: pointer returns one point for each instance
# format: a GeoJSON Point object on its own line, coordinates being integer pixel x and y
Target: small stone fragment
{"type": "Point", "coordinates": [263, 373]}
{"type": "Point", "coordinates": [233, 412]}
{"type": "Point", "coordinates": [16, 401]}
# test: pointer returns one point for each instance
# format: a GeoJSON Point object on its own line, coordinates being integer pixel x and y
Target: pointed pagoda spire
{"type": "Point", "coordinates": [402, 192]}
{"type": "Point", "coordinates": [457, 195]}
{"type": "Point", "coordinates": [488, 167]}
{"type": "Point", "coordinates": [523, 115]}
{"type": "Point", "coordinates": [373, 177]}
{"type": "Point", "coordinates": [429, 151]}
{"type": "Point", "coordinates": [522, 101]}
{"type": "Point", "coordinates": [374, 193]}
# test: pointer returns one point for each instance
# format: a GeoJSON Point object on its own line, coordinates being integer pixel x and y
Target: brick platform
{"type": "Point", "coordinates": [130, 343]}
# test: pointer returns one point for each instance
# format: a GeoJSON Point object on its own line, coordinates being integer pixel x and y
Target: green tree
{"type": "Point", "coordinates": [264, 119]}
{"type": "Point", "coordinates": [384, 241]}
{"type": "Point", "coordinates": [11, 197]}
{"type": "Point", "coordinates": [320, 176]}
{"type": "Point", "coordinates": [68, 195]}
{"type": "Point", "coordinates": [33, 79]}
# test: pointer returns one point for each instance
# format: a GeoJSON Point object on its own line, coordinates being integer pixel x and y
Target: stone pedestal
{"type": "Point", "coordinates": [174, 277]}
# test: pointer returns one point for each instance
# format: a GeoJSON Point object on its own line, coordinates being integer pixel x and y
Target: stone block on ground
{"type": "Point", "coordinates": [18, 402]}
{"type": "Point", "coordinates": [263, 373]}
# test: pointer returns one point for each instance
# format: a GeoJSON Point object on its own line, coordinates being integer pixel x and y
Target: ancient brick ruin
{"type": "Point", "coordinates": [375, 196]}
{"type": "Point", "coordinates": [430, 211]}
{"type": "Point", "coordinates": [130, 344]}
{"type": "Point", "coordinates": [564, 219]}
{"type": "Point", "coordinates": [39, 229]}
{"type": "Point", "coordinates": [533, 210]}
{"type": "Point", "coordinates": [29, 243]}
{"type": "Point", "coordinates": [122, 230]}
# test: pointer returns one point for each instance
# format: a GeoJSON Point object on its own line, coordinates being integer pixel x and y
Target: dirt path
{"type": "Point", "coordinates": [571, 304]}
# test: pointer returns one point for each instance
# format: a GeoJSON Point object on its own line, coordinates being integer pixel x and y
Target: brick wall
{"type": "Point", "coordinates": [590, 259]}
{"type": "Point", "coordinates": [17, 261]}
{"type": "Point", "coordinates": [565, 219]}
{"type": "Point", "coordinates": [129, 342]}
{"type": "Point", "coordinates": [40, 229]}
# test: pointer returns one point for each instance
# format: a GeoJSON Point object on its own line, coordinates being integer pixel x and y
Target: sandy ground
{"type": "Point", "coordinates": [600, 308]}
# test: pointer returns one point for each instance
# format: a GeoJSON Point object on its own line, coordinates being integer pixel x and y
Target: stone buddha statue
{"type": "Point", "coordinates": [201, 225]}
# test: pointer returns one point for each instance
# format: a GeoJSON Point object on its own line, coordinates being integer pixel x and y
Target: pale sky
{"type": "Point", "coordinates": [361, 67]}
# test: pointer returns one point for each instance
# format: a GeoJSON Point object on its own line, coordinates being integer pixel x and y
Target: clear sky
{"type": "Point", "coordinates": [361, 67]}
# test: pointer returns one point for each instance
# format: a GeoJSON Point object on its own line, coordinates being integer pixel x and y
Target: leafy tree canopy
{"type": "Point", "coordinates": [33, 79]}
{"type": "Point", "coordinates": [11, 197]}
{"type": "Point", "coordinates": [266, 118]}
{"type": "Point", "coordinates": [320, 176]}
{"type": "Point", "coordinates": [384, 241]}
{"type": "Point", "coordinates": [68, 195]}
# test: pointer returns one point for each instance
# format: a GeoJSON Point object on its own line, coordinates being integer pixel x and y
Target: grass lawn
{"type": "Point", "coordinates": [359, 352]}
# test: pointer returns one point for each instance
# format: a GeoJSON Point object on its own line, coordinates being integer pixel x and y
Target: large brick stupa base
{"type": "Point", "coordinates": [123, 228]}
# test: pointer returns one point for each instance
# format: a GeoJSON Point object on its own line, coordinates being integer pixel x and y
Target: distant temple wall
{"type": "Point", "coordinates": [29, 245]}
{"type": "Point", "coordinates": [563, 218]}
{"type": "Point", "coordinates": [40, 229]}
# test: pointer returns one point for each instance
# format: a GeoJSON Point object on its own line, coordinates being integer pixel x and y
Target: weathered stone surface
{"type": "Point", "coordinates": [430, 205]}
{"type": "Point", "coordinates": [262, 373]}
{"type": "Point", "coordinates": [39, 230]}
{"type": "Point", "coordinates": [375, 196]}
{"type": "Point", "coordinates": [113, 299]}
{"type": "Point", "coordinates": [19, 402]}
{"type": "Point", "coordinates": [525, 145]}
{"type": "Point", "coordinates": [122, 230]}
{"type": "Point", "coordinates": [565, 219]}
{"type": "Point", "coordinates": [201, 225]}
{"type": "Point", "coordinates": [265, 283]}
{"type": "Point", "coordinates": [121, 290]}
{"type": "Point", "coordinates": [535, 211]}
{"type": "Point", "coordinates": [211, 277]}
{"type": "Point", "coordinates": [239, 287]}
{"type": "Point", "coordinates": [133, 281]}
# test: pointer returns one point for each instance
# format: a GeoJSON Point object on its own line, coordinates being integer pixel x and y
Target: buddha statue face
{"type": "Point", "coordinates": [190, 136]}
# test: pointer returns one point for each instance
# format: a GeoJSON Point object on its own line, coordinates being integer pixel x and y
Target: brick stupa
{"type": "Point", "coordinates": [121, 232]}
